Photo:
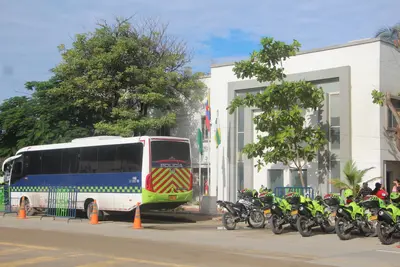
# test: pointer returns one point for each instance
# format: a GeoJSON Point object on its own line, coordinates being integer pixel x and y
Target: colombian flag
{"type": "Point", "coordinates": [208, 113]}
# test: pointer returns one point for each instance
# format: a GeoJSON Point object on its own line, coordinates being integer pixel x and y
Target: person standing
{"type": "Point", "coordinates": [396, 186]}
{"type": "Point", "coordinates": [365, 190]}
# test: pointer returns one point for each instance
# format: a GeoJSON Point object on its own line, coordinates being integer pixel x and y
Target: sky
{"type": "Point", "coordinates": [217, 31]}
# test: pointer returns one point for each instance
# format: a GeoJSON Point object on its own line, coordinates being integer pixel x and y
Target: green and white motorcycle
{"type": "Point", "coordinates": [389, 220]}
{"type": "Point", "coordinates": [361, 216]}
{"type": "Point", "coordinates": [315, 213]}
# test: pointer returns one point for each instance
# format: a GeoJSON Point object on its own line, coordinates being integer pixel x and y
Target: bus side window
{"type": "Point", "coordinates": [16, 171]}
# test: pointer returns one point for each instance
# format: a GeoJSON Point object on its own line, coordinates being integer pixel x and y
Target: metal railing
{"type": "Point", "coordinates": [282, 191]}
{"type": "Point", "coordinates": [5, 200]}
{"type": "Point", "coordinates": [61, 202]}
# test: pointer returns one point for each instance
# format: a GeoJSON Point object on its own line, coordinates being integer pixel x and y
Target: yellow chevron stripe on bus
{"type": "Point", "coordinates": [172, 181]}
{"type": "Point", "coordinates": [173, 178]}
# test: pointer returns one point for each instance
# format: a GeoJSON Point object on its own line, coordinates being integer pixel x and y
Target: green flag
{"type": "Point", "coordinates": [200, 141]}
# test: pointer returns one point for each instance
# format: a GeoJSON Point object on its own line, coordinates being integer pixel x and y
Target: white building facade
{"type": "Point", "coordinates": [359, 129]}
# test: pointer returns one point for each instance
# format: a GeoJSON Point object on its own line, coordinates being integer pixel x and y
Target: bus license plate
{"type": "Point", "coordinates": [294, 212]}
{"type": "Point", "coordinates": [374, 218]}
{"type": "Point", "coordinates": [172, 197]}
{"type": "Point", "coordinates": [267, 211]}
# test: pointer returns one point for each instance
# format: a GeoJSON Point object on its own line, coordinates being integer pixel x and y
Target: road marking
{"type": "Point", "coordinates": [159, 263]}
{"type": "Point", "coordinates": [99, 264]}
{"type": "Point", "coordinates": [27, 261]}
{"type": "Point", "coordinates": [26, 246]}
{"type": "Point", "coordinates": [281, 254]}
{"type": "Point", "coordinates": [263, 256]}
{"type": "Point", "coordinates": [12, 251]}
{"type": "Point", "coordinates": [389, 251]}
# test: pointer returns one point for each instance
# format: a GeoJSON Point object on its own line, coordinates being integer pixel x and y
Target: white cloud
{"type": "Point", "coordinates": [31, 30]}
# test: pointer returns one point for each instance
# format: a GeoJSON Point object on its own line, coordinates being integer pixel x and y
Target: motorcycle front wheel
{"type": "Point", "coordinates": [256, 219]}
{"type": "Point", "coordinates": [302, 227]}
{"type": "Point", "coordinates": [228, 221]}
{"type": "Point", "coordinates": [384, 237]}
{"type": "Point", "coordinates": [339, 228]}
{"type": "Point", "coordinates": [276, 228]}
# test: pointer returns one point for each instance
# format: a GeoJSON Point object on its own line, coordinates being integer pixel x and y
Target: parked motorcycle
{"type": "Point", "coordinates": [389, 220]}
{"type": "Point", "coordinates": [313, 213]}
{"type": "Point", "coordinates": [246, 209]}
{"type": "Point", "coordinates": [360, 216]}
{"type": "Point", "coordinates": [267, 199]}
{"type": "Point", "coordinates": [285, 211]}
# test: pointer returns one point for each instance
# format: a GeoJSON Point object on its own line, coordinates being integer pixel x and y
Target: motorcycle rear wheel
{"type": "Point", "coordinates": [301, 226]}
{"type": "Point", "coordinates": [228, 221]}
{"type": "Point", "coordinates": [386, 239]}
{"type": "Point", "coordinates": [340, 222]}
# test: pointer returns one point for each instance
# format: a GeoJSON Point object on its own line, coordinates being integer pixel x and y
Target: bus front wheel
{"type": "Point", "coordinates": [89, 211]}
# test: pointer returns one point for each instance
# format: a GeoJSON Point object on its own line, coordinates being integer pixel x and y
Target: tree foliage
{"type": "Point", "coordinates": [130, 78]}
{"type": "Point", "coordinates": [289, 137]}
{"type": "Point", "coordinates": [121, 79]}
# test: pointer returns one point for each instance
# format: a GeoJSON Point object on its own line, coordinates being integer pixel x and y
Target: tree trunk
{"type": "Point", "coordinates": [300, 171]}
{"type": "Point", "coordinates": [388, 100]}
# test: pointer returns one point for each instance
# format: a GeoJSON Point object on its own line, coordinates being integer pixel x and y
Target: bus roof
{"type": "Point", "coordinates": [100, 141]}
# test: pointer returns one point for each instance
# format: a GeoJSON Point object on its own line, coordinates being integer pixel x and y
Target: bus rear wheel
{"type": "Point", "coordinates": [89, 210]}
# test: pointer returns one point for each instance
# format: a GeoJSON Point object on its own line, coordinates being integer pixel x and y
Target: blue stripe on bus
{"type": "Point", "coordinates": [125, 182]}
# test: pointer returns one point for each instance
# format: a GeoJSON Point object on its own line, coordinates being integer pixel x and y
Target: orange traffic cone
{"type": "Point", "coordinates": [22, 211]}
{"type": "Point", "coordinates": [137, 221]}
{"type": "Point", "coordinates": [94, 218]}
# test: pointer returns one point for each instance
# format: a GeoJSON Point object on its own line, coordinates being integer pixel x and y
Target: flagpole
{"type": "Point", "coordinates": [217, 169]}
{"type": "Point", "coordinates": [200, 193]}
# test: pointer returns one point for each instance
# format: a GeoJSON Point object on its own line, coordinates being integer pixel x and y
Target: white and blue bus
{"type": "Point", "coordinates": [115, 171]}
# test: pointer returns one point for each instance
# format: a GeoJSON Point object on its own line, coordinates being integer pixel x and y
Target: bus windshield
{"type": "Point", "coordinates": [169, 151]}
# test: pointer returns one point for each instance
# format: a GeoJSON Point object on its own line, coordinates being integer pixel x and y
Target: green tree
{"type": "Point", "coordinates": [391, 34]}
{"type": "Point", "coordinates": [38, 119]}
{"type": "Point", "coordinates": [130, 79]}
{"type": "Point", "coordinates": [353, 177]}
{"type": "Point", "coordinates": [289, 138]}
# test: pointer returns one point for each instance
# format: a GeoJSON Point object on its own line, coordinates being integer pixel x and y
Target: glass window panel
{"type": "Point", "coordinates": [295, 178]}
{"type": "Point", "coordinates": [240, 179]}
{"type": "Point", "coordinates": [88, 160]}
{"type": "Point", "coordinates": [240, 141]}
{"type": "Point", "coordinates": [51, 161]}
{"type": "Point", "coordinates": [335, 108]}
{"type": "Point", "coordinates": [241, 120]}
{"type": "Point", "coordinates": [335, 139]}
{"type": "Point", "coordinates": [275, 178]}
{"type": "Point", "coordinates": [335, 169]}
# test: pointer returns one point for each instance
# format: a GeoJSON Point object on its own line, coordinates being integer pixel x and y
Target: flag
{"type": "Point", "coordinates": [208, 113]}
{"type": "Point", "coordinates": [200, 141]}
{"type": "Point", "coordinates": [217, 132]}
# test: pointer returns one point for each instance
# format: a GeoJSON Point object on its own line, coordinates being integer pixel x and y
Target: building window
{"type": "Point", "coordinates": [240, 172]}
{"type": "Point", "coordinates": [334, 124]}
{"type": "Point", "coordinates": [391, 123]}
{"type": "Point", "coordinates": [275, 179]}
{"type": "Point", "coordinates": [295, 178]}
{"type": "Point", "coordinates": [204, 128]}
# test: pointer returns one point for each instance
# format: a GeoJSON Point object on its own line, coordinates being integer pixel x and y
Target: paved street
{"type": "Point", "coordinates": [44, 248]}
{"type": "Point", "coordinates": [35, 242]}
